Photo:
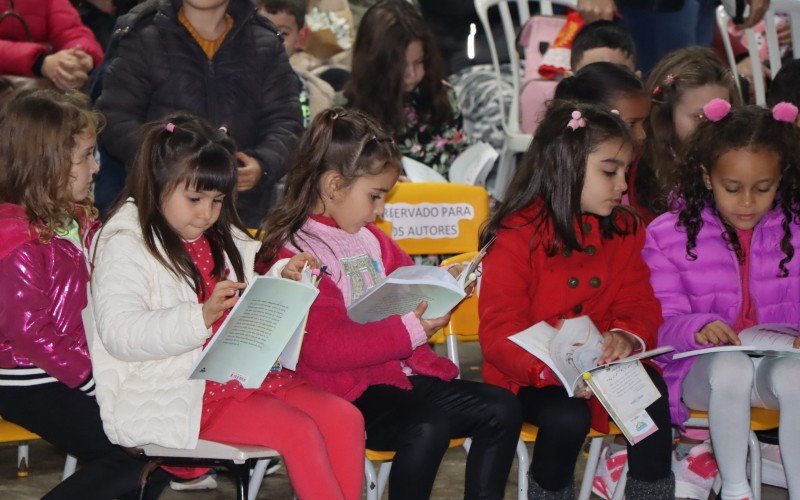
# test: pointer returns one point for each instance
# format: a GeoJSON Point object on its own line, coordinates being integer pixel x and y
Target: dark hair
{"type": "Point", "coordinates": [599, 83]}
{"type": "Point", "coordinates": [201, 157]}
{"type": "Point", "coordinates": [379, 54]}
{"type": "Point", "coordinates": [345, 141]}
{"type": "Point", "coordinates": [602, 34]}
{"type": "Point", "coordinates": [786, 85]}
{"type": "Point", "coordinates": [750, 127]}
{"type": "Point", "coordinates": [677, 72]}
{"type": "Point", "coordinates": [553, 171]}
{"type": "Point", "coordinates": [37, 138]}
{"type": "Point", "coordinates": [295, 8]}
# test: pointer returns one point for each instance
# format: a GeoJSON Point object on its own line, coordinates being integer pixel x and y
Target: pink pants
{"type": "Point", "coordinates": [319, 436]}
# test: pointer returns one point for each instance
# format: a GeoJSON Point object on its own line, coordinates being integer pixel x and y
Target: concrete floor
{"type": "Point", "coordinates": [47, 463]}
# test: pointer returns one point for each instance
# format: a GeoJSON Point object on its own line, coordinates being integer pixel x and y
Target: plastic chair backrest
{"type": "Point", "coordinates": [465, 320]}
{"type": "Point", "coordinates": [789, 7]}
{"type": "Point", "coordinates": [431, 218]}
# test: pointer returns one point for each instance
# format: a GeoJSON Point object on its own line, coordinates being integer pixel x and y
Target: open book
{"type": "Point", "coordinates": [419, 172]}
{"type": "Point", "coordinates": [403, 290]}
{"type": "Point", "coordinates": [622, 386]}
{"type": "Point", "coordinates": [471, 167]}
{"type": "Point", "coordinates": [759, 340]}
{"type": "Point", "coordinates": [267, 324]}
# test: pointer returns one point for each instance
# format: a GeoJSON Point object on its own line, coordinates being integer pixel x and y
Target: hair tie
{"type": "Point", "coordinates": [668, 81]}
{"type": "Point", "coordinates": [577, 121]}
{"type": "Point", "coordinates": [615, 112]}
{"type": "Point", "coordinates": [170, 127]}
{"type": "Point", "coordinates": [223, 129]}
{"type": "Point", "coordinates": [717, 109]}
{"type": "Point", "coordinates": [785, 112]}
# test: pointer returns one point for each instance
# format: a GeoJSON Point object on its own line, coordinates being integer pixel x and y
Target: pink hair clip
{"type": "Point", "coordinates": [577, 121]}
{"type": "Point", "coordinates": [669, 79]}
{"type": "Point", "coordinates": [170, 127]}
{"type": "Point", "coordinates": [785, 112]}
{"type": "Point", "coordinates": [716, 109]}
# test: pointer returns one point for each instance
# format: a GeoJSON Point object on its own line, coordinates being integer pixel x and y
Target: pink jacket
{"type": "Point", "coordinates": [694, 293]}
{"type": "Point", "coordinates": [54, 25]}
{"type": "Point", "coordinates": [43, 294]}
{"type": "Point", "coordinates": [344, 357]}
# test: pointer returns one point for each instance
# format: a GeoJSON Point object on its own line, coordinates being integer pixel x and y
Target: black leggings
{"type": "Point", "coordinates": [564, 423]}
{"type": "Point", "coordinates": [70, 420]}
{"type": "Point", "coordinates": [418, 425]}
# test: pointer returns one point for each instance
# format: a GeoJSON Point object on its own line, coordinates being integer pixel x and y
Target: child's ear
{"type": "Point", "coordinates": [706, 178]}
{"type": "Point", "coordinates": [332, 183]}
{"type": "Point", "coordinates": [302, 38]}
{"type": "Point", "coordinates": [638, 74]}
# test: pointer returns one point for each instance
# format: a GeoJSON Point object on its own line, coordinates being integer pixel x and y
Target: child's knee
{"type": "Point", "coordinates": [784, 379]}
{"type": "Point", "coordinates": [571, 418]}
{"type": "Point", "coordinates": [433, 429]}
{"type": "Point", "coordinates": [504, 409]}
{"type": "Point", "coordinates": [731, 373]}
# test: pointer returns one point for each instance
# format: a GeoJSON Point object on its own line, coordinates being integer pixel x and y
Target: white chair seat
{"type": "Point", "coordinates": [213, 450]}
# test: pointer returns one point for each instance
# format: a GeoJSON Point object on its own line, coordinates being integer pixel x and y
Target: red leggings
{"type": "Point", "coordinates": [319, 436]}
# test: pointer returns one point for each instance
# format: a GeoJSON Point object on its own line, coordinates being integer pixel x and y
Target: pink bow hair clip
{"type": "Point", "coordinates": [785, 112]}
{"type": "Point", "coordinates": [170, 127]}
{"type": "Point", "coordinates": [716, 109]}
{"type": "Point", "coordinates": [577, 121]}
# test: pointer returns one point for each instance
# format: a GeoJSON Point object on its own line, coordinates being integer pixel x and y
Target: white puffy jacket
{"type": "Point", "coordinates": [145, 330]}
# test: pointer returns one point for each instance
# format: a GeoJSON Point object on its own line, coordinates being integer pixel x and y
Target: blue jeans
{"type": "Point", "coordinates": [659, 33]}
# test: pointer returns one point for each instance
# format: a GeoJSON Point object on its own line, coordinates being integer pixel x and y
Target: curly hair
{"type": "Point", "coordinates": [37, 139]}
{"type": "Point", "coordinates": [748, 127]}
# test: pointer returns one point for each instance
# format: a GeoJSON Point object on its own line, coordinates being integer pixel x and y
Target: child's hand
{"type": "Point", "coordinates": [430, 326]}
{"type": "Point", "coordinates": [249, 172]}
{"type": "Point", "coordinates": [222, 298]}
{"type": "Point", "coordinates": [294, 268]}
{"type": "Point", "coordinates": [583, 390]}
{"type": "Point", "coordinates": [616, 345]}
{"type": "Point", "coordinates": [796, 343]}
{"type": "Point", "coordinates": [717, 333]}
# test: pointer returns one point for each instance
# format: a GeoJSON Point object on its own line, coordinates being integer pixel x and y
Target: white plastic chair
{"type": "Point", "coordinates": [789, 7]}
{"type": "Point", "coordinates": [516, 141]}
{"type": "Point", "coordinates": [237, 458]}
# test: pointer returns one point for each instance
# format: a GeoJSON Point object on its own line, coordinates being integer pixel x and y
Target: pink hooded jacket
{"type": "Point", "coordinates": [694, 293]}
{"type": "Point", "coordinates": [42, 295]}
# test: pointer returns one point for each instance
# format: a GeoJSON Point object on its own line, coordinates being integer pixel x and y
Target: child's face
{"type": "Point", "coordinates": [605, 54]}
{"type": "Point", "coordinates": [414, 66]}
{"type": "Point", "coordinates": [689, 109]}
{"type": "Point", "coordinates": [189, 212]}
{"type": "Point", "coordinates": [744, 183]}
{"type": "Point", "coordinates": [287, 26]}
{"type": "Point", "coordinates": [634, 110]}
{"type": "Point", "coordinates": [84, 166]}
{"type": "Point", "coordinates": [357, 205]}
{"type": "Point", "coordinates": [604, 183]}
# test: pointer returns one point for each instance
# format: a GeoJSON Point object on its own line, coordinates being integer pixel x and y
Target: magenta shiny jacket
{"type": "Point", "coordinates": [694, 293]}
{"type": "Point", "coordinates": [42, 295]}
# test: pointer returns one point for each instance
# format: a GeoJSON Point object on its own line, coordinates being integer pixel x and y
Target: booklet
{"type": "Point", "coordinates": [419, 172]}
{"type": "Point", "coordinates": [267, 324]}
{"type": "Point", "coordinates": [403, 290]}
{"type": "Point", "coordinates": [622, 386]}
{"type": "Point", "coordinates": [473, 165]}
{"type": "Point", "coordinates": [759, 340]}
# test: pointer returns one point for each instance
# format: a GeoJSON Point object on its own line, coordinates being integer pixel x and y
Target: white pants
{"type": "Point", "coordinates": [726, 385]}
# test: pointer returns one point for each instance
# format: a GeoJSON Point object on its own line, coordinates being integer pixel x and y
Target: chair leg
{"type": "Point", "coordinates": [595, 447]}
{"type": "Point", "coordinates": [256, 476]}
{"type": "Point", "coordinates": [371, 480]}
{"type": "Point", "coordinates": [523, 464]}
{"type": "Point", "coordinates": [242, 473]}
{"type": "Point", "coordinates": [383, 477]}
{"type": "Point", "coordinates": [22, 459]}
{"type": "Point", "coordinates": [755, 465]}
{"type": "Point", "coordinates": [619, 490]}
{"type": "Point", "coordinates": [69, 467]}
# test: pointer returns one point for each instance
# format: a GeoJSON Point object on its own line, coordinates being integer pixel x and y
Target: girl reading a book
{"type": "Point", "coordinates": [411, 401]}
{"type": "Point", "coordinates": [564, 248]}
{"type": "Point", "coordinates": [724, 260]}
{"type": "Point", "coordinates": [168, 267]}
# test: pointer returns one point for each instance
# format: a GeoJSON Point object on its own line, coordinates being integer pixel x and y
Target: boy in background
{"type": "Point", "coordinates": [603, 41]}
{"type": "Point", "coordinates": [289, 17]}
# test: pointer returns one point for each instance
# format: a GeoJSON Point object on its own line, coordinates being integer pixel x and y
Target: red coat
{"type": "Point", "coordinates": [520, 287]}
{"type": "Point", "coordinates": [344, 357]}
{"type": "Point", "coordinates": [54, 25]}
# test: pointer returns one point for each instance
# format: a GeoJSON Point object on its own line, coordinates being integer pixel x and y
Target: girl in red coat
{"type": "Point", "coordinates": [564, 248]}
{"type": "Point", "coordinates": [411, 401]}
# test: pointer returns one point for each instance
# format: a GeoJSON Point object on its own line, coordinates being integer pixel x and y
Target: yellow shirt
{"type": "Point", "coordinates": [210, 47]}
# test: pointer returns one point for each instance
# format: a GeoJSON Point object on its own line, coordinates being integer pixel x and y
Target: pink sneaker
{"type": "Point", "coordinates": [694, 475]}
{"type": "Point", "coordinates": [609, 470]}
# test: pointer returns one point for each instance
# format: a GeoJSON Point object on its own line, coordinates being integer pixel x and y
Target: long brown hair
{"type": "Point", "coordinates": [37, 139]}
{"type": "Point", "coordinates": [192, 152]}
{"type": "Point", "coordinates": [346, 141]}
{"type": "Point", "coordinates": [379, 54]}
{"type": "Point", "coordinates": [677, 72]}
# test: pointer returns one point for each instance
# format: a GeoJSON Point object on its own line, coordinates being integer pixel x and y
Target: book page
{"type": "Point", "coordinates": [536, 340]}
{"type": "Point", "coordinates": [576, 348]}
{"type": "Point", "coordinates": [291, 353]}
{"type": "Point", "coordinates": [255, 332]}
{"type": "Point", "coordinates": [759, 340]}
{"type": "Point", "coordinates": [472, 166]}
{"type": "Point", "coordinates": [469, 273]}
{"type": "Point", "coordinates": [419, 172]}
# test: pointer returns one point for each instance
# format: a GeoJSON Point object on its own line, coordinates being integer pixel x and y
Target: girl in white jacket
{"type": "Point", "coordinates": [168, 267]}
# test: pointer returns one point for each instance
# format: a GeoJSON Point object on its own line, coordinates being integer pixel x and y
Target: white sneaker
{"type": "Point", "coordinates": [204, 482]}
{"type": "Point", "coordinates": [694, 475]}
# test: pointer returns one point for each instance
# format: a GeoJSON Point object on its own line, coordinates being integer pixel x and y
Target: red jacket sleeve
{"type": "Point", "coordinates": [503, 304]}
{"type": "Point", "coordinates": [66, 31]}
